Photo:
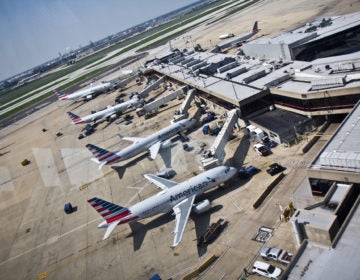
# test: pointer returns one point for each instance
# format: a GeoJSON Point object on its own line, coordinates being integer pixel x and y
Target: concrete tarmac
{"type": "Point", "coordinates": [38, 240]}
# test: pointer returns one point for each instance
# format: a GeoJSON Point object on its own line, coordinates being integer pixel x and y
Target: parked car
{"type": "Point", "coordinates": [275, 168]}
{"type": "Point", "coordinates": [245, 173]}
{"type": "Point", "coordinates": [276, 254]}
{"type": "Point", "coordinates": [270, 144]}
{"type": "Point", "coordinates": [261, 149]}
{"type": "Point", "coordinates": [267, 270]}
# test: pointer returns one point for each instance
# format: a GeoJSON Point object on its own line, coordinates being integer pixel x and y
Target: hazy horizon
{"type": "Point", "coordinates": [36, 31]}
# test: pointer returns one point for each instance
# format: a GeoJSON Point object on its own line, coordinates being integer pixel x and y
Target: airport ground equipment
{"type": "Point", "coordinates": [25, 162]}
{"type": "Point", "coordinates": [149, 88]}
{"type": "Point", "coordinates": [216, 154]}
{"type": "Point", "coordinates": [212, 232]}
{"type": "Point", "coordinates": [182, 113]}
{"type": "Point", "coordinates": [261, 149]}
{"type": "Point", "coordinates": [245, 173]}
{"type": "Point", "coordinates": [276, 254]}
{"type": "Point", "coordinates": [275, 168]}
{"type": "Point", "coordinates": [154, 106]}
{"type": "Point", "coordinates": [68, 208]}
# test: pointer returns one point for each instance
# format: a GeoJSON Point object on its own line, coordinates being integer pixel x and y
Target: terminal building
{"type": "Point", "coordinates": [327, 231]}
{"type": "Point", "coordinates": [321, 38]}
{"type": "Point", "coordinates": [288, 86]}
{"type": "Point", "coordinates": [306, 92]}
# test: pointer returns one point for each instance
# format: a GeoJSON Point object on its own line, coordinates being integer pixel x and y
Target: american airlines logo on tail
{"type": "Point", "coordinates": [60, 95]}
{"type": "Point", "coordinates": [75, 118]}
{"type": "Point", "coordinates": [109, 211]}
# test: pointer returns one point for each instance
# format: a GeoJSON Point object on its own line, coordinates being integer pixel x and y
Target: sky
{"type": "Point", "coordinates": [33, 32]}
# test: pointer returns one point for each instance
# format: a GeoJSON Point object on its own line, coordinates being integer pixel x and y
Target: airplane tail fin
{"type": "Point", "coordinates": [255, 28]}
{"type": "Point", "coordinates": [109, 211]}
{"type": "Point", "coordinates": [102, 156]}
{"type": "Point", "coordinates": [61, 95]}
{"type": "Point", "coordinates": [75, 118]}
{"type": "Point", "coordinates": [112, 213]}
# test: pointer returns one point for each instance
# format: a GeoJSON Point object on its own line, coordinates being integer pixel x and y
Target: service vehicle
{"type": "Point", "coordinates": [276, 254]}
{"type": "Point", "coordinates": [267, 270]}
{"type": "Point", "coordinates": [247, 172]}
{"type": "Point", "coordinates": [261, 149]}
{"type": "Point", "coordinates": [275, 168]}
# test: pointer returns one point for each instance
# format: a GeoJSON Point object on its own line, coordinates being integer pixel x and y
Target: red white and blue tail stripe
{"type": "Point", "coordinates": [255, 28]}
{"type": "Point", "coordinates": [75, 118]}
{"type": "Point", "coordinates": [61, 95]}
{"type": "Point", "coordinates": [103, 156]}
{"type": "Point", "coordinates": [110, 211]}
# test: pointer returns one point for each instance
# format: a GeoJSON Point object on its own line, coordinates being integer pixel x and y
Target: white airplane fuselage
{"type": "Point", "coordinates": [164, 201]}
{"type": "Point", "coordinates": [89, 91]}
{"type": "Point", "coordinates": [145, 143]}
{"type": "Point", "coordinates": [111, 110]}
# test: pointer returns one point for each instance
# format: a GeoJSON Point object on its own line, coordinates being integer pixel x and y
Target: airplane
{"type": "Point", "coordinates": [153, 142]}
{"type": "Point", "coordinates": [244, 37]}
{"type": "Point", "coordinates": [236, 40]}
{"type": "Point", "coordinates": [86, 94]}
{"type": "Point", "coordinates": [227, 35]}
{"type": "Point", "coordinates": [110, 113]}
{"type": "Point", "coordinates": [178, 197]}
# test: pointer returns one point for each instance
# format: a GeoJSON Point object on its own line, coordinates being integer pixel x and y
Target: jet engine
{"type": "Point", "coordinates": [202, 206]}
{"type": "Point", "coordinates": [113, 117]}
{"type": "Point", "coordinates": [166, 144]}
{"type": "Point", "coordinates": [89, 97]}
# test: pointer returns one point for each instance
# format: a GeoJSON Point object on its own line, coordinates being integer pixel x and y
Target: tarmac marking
{"type": "Point", "coordinates": [41, 276]}
{"type": "Point", "coordinates": [74, 260]}
{"type": "Point", "coordinates": [47, 242]}
{"type": "Point", "coordinates": [235, 204]}
{"type": "Point", "coordinates": [68, 256]}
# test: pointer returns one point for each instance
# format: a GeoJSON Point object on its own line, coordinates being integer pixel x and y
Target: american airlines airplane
{"type": "Point", "coordinates": [244, 37]}
{"type": "Point", "coordinates": [178, 197]}
{"type": "Point", "coordinates": [154, 142]}
{"type": "Point", "coordinates": [86, 94]}
{"type": "Point", "coordinates": [110, 113]}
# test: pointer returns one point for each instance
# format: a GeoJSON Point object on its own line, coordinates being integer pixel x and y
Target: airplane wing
{"type": "Point", "coordinates": [182, 211]}
{"type": "Point", "coordinates": [105, 116]}
{"type": "Point", "coordinates": [154, 150]}
{"type": "Point", "coordinates": [160, 182]}
{"type": "Point", "coordinates": [132, 139]}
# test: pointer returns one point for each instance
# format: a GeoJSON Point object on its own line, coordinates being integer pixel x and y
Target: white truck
{"type": "Point", "coordinates": [276, 254]}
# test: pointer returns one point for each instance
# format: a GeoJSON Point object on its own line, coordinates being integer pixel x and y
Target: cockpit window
{"type": "Point", "coordinates": [227, 170]}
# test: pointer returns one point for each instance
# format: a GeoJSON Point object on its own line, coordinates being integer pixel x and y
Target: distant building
{"type": "Point", "coordinates": [320, 38]}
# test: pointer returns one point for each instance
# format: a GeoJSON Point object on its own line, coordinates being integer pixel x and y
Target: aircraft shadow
{"type": "Point", "coordinates": [155, 97]}
{"type": "Point", "coordinates": [139, 230]}
{"type": "Point", "coordinates": [237, 160]}
{"type": "Point", "coordinates": [78, 103]}
{"type": "Point", "coordinates": [166, 155]}
{"type": "Point", "coordinates": [202, 222]}
{"type": "Point", "coordinates": [121, 169]}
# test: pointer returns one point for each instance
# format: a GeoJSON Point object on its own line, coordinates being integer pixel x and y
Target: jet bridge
{"type": "Point", "coordinates": [145, 92]}
{"type": "Point", "coordinates": [216, 154]}
{"type": "Point", "coordinates": [153, 106]}
{"type": "Point", "coordinates": [183, 112]}
{"type": "Point", "coordinates": [123, 81]}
